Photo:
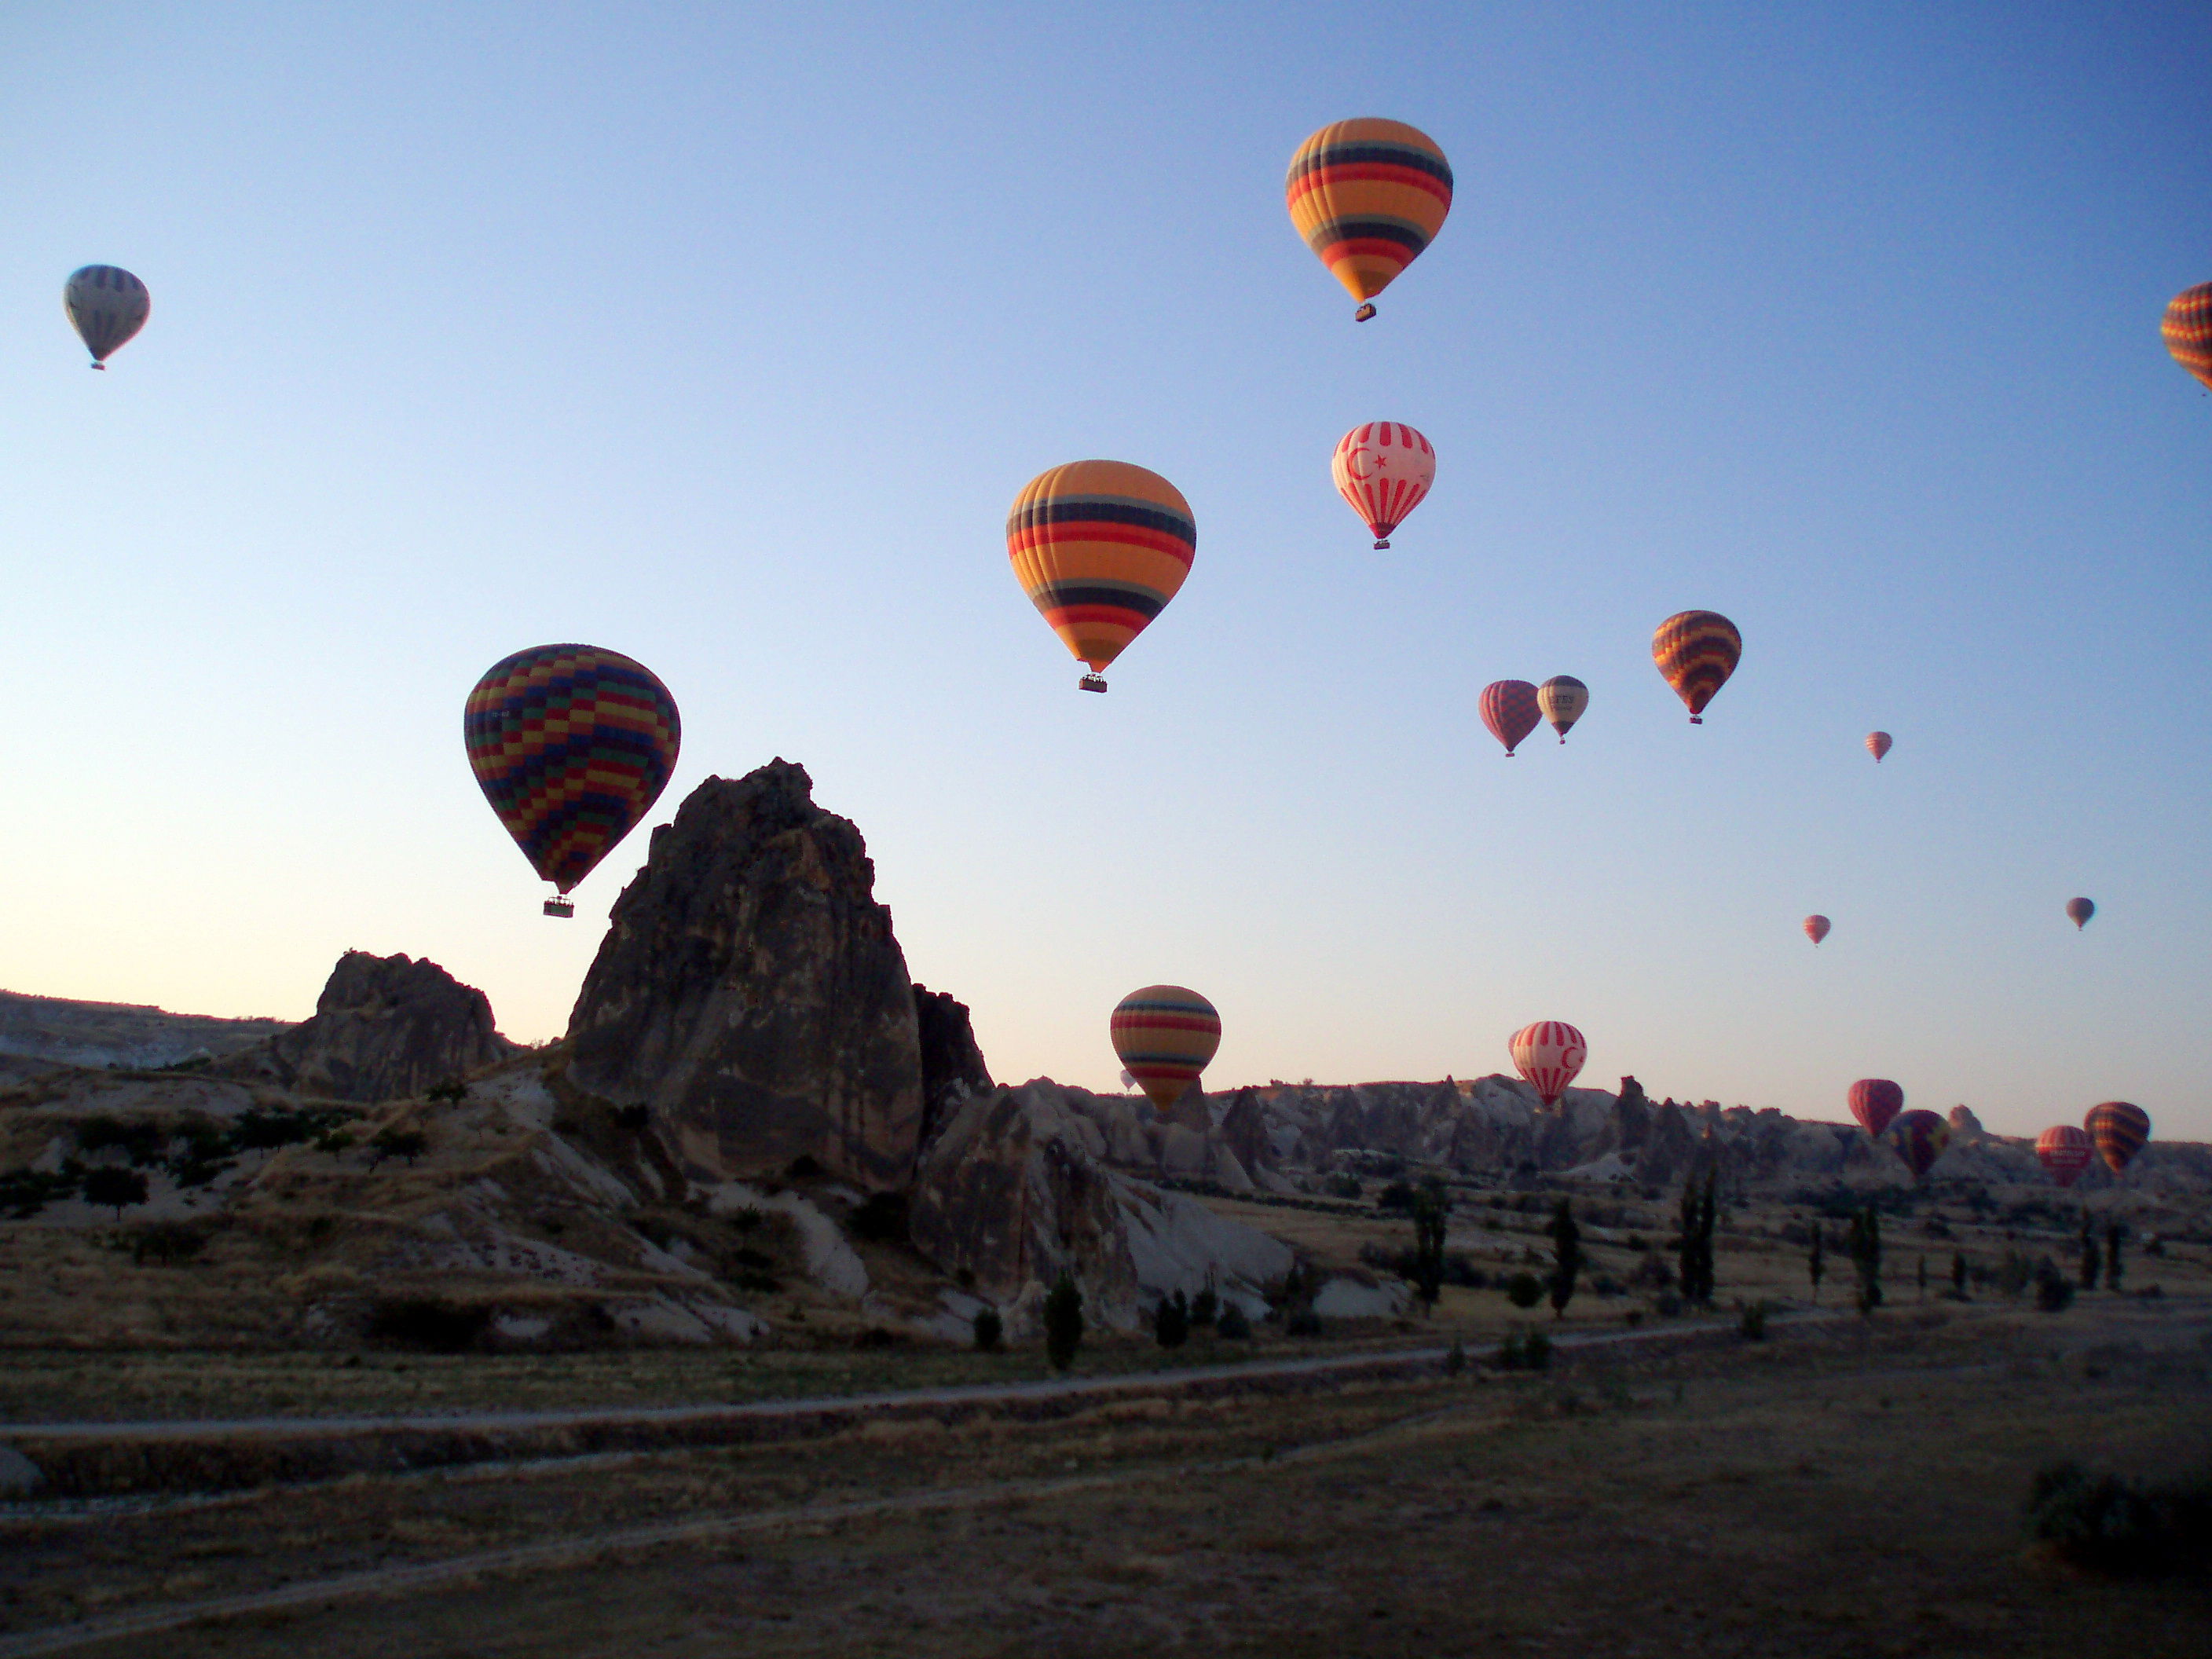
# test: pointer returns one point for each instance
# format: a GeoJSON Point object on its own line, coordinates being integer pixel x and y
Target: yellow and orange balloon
{"type": "Point", "coordinates": [1100, 547]}
{"type": "Point", "coordinates": [1165, 1035]}
{"type": "Point", "coordinates": [1368, 196]}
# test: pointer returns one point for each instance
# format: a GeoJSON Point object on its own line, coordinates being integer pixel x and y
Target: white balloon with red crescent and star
{"type": "Point", "coordinates": [1384, 469]}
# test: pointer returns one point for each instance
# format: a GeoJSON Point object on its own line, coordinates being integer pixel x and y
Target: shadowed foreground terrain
{"type": "Point", "coordinates": [1836, 1489]}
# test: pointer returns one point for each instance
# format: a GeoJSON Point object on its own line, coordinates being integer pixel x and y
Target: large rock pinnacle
{"type": "Point", "coordinates": [750, 993]}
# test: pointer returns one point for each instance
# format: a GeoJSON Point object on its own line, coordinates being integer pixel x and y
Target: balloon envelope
{"type": "Point", "coordinates": [571, 745]}
{"type": "Point", "coordinates": [1561, 700]}
{"type": "Point", "coordinates": [1878, 744]}
{"type": "Point", "coordinates": [2064, 1152]}
{"type": "Point", "coordinates": [1697, 651]}
{"type": "Point", "coordinates": [1816, 928]}
{"type": "Point", "coordinates": [2079, 910]}
{"type": "Point", "coordinates": [107, 305]}
{"type": "Point", "coordinates": [1549, 1053]}
{"type": "Point", "coordinates": [1509, 710]}
{"type": "Point", "coordinates": [1875, 1102]}
{"type": "Point", "coordinates": [2188, 330]}
{"type": "Point", "coordinates": [1384, 470]}
{"type": "Point", "coordinates": [2119, 1131]}
{"type": "Point", "coordinates": [1100, 547]}
{"type": "Point", "coordinates": [1164, 1035]}
{"type": "Point", "coordinates": [1368, 196]}
{"type": "Point", "coordinates": [1920, 1140]}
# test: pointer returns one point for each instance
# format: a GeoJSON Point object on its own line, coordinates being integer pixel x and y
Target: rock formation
{"type": "Point", "coordinates": [386, 1028]}
{"type": "Point", "coordinates": [952, 1066]}
{"type": "Point", "coordinates": [750, 994]}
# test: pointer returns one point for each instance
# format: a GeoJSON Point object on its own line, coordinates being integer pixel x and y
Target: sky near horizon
{"type": "Point", "coordinates": [724, 336]}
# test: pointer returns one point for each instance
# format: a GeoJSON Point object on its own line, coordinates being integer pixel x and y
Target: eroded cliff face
{"type": "Point", "coordinates": [750, 994]}
{"type": "Point", "coordinates": [386, 1028]}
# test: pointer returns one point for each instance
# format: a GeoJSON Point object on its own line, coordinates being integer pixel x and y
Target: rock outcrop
{"type": "Point", "coordinates": [386, 1028]}
{"type": "Point", "coordinates": [952, 1067]}
{"type": "Point", "coordinates": [750, 994]}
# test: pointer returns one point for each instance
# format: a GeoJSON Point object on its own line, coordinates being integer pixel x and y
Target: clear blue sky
{"type": "Point", "coordinates": [725, 339]}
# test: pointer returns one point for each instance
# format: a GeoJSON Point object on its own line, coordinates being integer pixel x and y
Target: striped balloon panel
{"type": "Point", "coordinates": [1920, 1140]}
{"type": "Point", "coordinates": [2064, 1152]}
{"type": "Point", "coordinates": [1816, 928]}
{"type": "Point", "coordinates": [1549, 1053]}
{"type": "Point", "coordinates": [1100, 547]}
{"type": "Point", "coordinates": [1384, 470]}
{"type": "Point", "coordinates": [2188, 330]}
{"type": "Point", "coordinates": [1875, 1102]}
{"type": "Point", "coordinates": [1561, 700]}
{"type": "Point", "coordinates": [2119, 1131]}
{"type": "Point", "coordinates": [1877, 745]}
{"type": "Point", "coordinates": [572, 745]}
{"type": "Point", "coordinates": [107, 305]}
{"type": "Point", "coordinates": [1509, 710]}
{"type": "Point", "coordinates": [1697, 651]}
{"type": "Point", "coordinates": [1164, 1035]}
{"type": "Point", "coordinates": [1368, 196]}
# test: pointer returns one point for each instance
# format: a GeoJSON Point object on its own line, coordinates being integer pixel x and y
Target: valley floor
{"type": "Point", "coordinates": [1842, 1488]}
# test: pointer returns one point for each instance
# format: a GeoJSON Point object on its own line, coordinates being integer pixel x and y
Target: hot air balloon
{"type": "Point", "coordinates": [2119, 1131]}
{"type": "Point", "coordinates": [1368, 196]}
{"type": "Point", "coordinates": [1921, 1137]}
{"type": "Point", "coordinates": [1549, 1053]}
{"type": "Point", "coordinates": [2064, 1152]}
{"type": "Point", "coordinates": [572, 745]}
{"type": "Point", "coordinates": [1100, 547]}
{"type": "Point", "coordinates": [1697, 651]}
{"type": "Point", "coordinates": [1509, 709]}
{"type": "Point", "coordinates": [1561, 699]}
{"type": "Point", "coordinates": [2079, 910]}
{"type": "Point", "coordinates": [1877, 745]}
{"type": "Point", "coordinates": [2188, 330]}
{"type": "Point", "coordinates": [107, 305]}
{"type": "Point", "coordinates": [1875, 1102]}
{"type": "Point", "coordinates": [1165, 1035]}
{"type": "Point", "coordinates": [1816, 928]}
{"type": "Point", "coordinates": [1384, 469]}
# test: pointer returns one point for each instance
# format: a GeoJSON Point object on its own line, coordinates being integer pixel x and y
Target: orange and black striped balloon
{"type": "Point", "coordinates": [1368, 196]}
{"type": "Point", "coordinates": [1100, 547]}
{"type": "Point", "coordinates": [1697, 651]}
{"type": "Point", "coordinates": [2188, 330]}
{"type": "Point", "coordinates": [2119, 1131]}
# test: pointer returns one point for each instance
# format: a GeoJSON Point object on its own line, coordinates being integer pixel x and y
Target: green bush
{"type": "Point", "coordinates": [1524, 1290]}
{"type": "Point", "coordinates": [989, 1330]}
{"type": "Point", "coordinates": [115, 1189]}
{"type": "Point", "coordinates": [1232, 1325]}
{"type": "Point", "coordinates": [1063, 1321]}
{"type": "Point", "coordinates": [167, 1242]}
{"type": "Point", "coordinates": [2116, 1526]}
{"type": "Point", "coordinates": [1204, 1309]}
{"type": "Point", "coordinates": [1753, 1323]}
{"type": "Point", "coordinates": [1171, 1321]}
{"type": "Point", "coordinates": [2054, 1292]}
{"type": "Point", "coordinates": [426, 1322]}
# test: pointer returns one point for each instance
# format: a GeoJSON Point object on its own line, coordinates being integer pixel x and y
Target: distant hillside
{"type": "Point", "coordinates": [101, 1034]}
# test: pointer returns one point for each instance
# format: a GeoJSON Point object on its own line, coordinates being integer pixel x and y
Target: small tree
{"type": "Point", "coordinates": [1204, 1309]}
{"type": "Point", "coordinates": [453, 1091]}
{"type": "Point", "coordinates": [989, 1329]}
{"type": "Point", "coordinates": [1920, 1275]}
{"type": "Point", "coordinates": [1431, 1208]}
{"type": "Point", "coordinates": [1171, 1321]}
{"type": "Point", "coordinates": [2093, 1261]}
{"type": "Point", "coordinates": [1063, 1321]}
{"type": "Point", "coordinates": [1686, 1242]}
{"type": "Point", "coordinates": [2113, 1234]}
{"type": "Point", "coordinates": [1814, 1265]}
{"type": "Point", "coordinates": [1959, 1274]}
{"type": "Point", "coordinates": [113, 1188]}
{"type": "Point", "coordinates": [1524, 1288]}
{"type": "Point", "coordinates": [1866, 1257]}
{"type": "Point", "coordinates": [1566, 1256]}
{"type": "Point", "coordinates": [410, 1143]}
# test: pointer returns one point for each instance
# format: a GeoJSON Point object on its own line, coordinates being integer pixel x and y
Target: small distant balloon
{"type": "Point", "coordinates": [1368, 196]}
{"type": "Point", "coordinates": [2079, 910]}
{"type": "Point", "coordinates": [1697, 651]}
{"type": "Point", "coordinates": [1877, 745]}
{"type": "Point", "coordinates": [107, 305]}
{"type": "Point", "coordinates": [1875, 1101]}
{"type": "Point", "coordinates": [2064, 1152]}
{"type": "Point", "coordinates": [1384, 470]}
{"type": "Point", "coordinates": [2119, 1131]}
{"type": "Point", "coordinates": [1128, 1083]}
{"type": "Point", "coordinates": [2187, 327]}
{"type": "Point", "coordinates": [1100, 547]}
{"type": "Point", "coordinates": [1510, 710]}
{"type": "Point", "coordinates": [1561, 700]}
{"type": "Point", "coordinates": [1816, 928]}
{"type": "Point", "coordinates": [1920, 1140]}
{"type": "Point", "coordinates": [1549, 1053]}
{"type": "Point", "coordinates": [1163, 1035]}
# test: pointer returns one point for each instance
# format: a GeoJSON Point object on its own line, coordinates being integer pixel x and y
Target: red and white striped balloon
{"type": "Point", "coordinates": [2065, 1152]}
{"type": "Point", "coordinates": [1816, 928]}
{"type": "Point", "coordinates": [1384, 469]}
{"type": "Point", "coordinates": [1549, 1053]}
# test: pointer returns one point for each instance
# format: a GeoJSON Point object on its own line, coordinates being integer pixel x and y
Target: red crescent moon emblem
{"type": "Point", "coordinates": [1352, 464]}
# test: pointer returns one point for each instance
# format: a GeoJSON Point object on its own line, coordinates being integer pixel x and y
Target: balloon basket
{"type": "Point", "coordinates": [1091, 683]}
{"type": "Point", "coordinates": [101, 367]}
{"type": "Point", "coordinates": [1696, 719]}
{"type": "Point", "coordinates": [1381, 545]}
{"type": "Point", "coordinates": [560, 907]}
{"type": "Point", "coordinates": [1364, 314]}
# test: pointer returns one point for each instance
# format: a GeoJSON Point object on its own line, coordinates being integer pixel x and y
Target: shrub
{"type": "Point", "coordinates": [453, 1092]}
{"type": "Point", "coordinates": [805, 1167]}
{"type": "Point", "coordinates": [1172, 1321]}
{"type": "Point", "coordinates": [1204, 1309]}
{"type": "Point", "coordinates": [1301, 1322]}
{"type": "Point", "coordinates": [410, 1143]}
{"type": "Point", "coordinates": [2054, 1292]}
{"type": "Point", "coordinates": [1456, 1357]}
{"type": "Point", "coordinates": [1063, 1321]}
{"type": "Point", "coordinates": [2116, 1526]}
{"type": "Point", "coordinates": [1525, 1351]}
{"type": "Point", "coordinates": [1524, 1288]}
{"type": "Point", "coordinates": [882, 1220]}
{"type": "Point", "coordinates": [1397, 1195]}
{"type": "Point", "coordinates": [115, 1189]}
{"type": "Point", "coordinates": [165, 1242]}
{"type": "Point", "coordinates": [1667, 1304]}
{"type": "Point", "coordinates": [1753, 1323]}
{"type": "Point", "coordinates": [989, 1330]}
{"type": "Point", "coordinates": [1343, 1186]}
{"type": "Point", "coordinates": [428, 1322]}
{"type": "Point", "coordinates": [1232, 1325]}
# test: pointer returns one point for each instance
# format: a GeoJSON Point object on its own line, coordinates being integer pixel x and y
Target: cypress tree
{"type": "Point", "coordinates": [2114, 1233]}
{"type": "Point", "coordinates": [1063, 1321]}
{"type": "Point", "coordinates": [1958, 1273]}
{"type": "Point", "coordinates": [1866, 1257]}
{"type": "Point", "coordinates": [1566, 1256]}
{"type": "Point", "coordinates": [2092, 1260]}
{"type": "Point", "coordinates": [1814, 1265]}
{"type": "Point", "coordinates": [1432, 1221]}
